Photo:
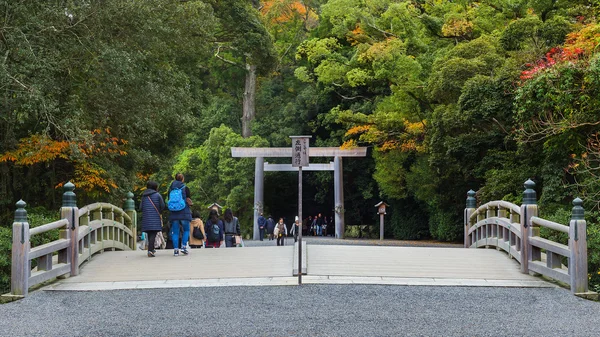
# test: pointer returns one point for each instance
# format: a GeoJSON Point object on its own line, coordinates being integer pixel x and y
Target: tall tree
{"type": "Point", "coordinates": [243, 42]}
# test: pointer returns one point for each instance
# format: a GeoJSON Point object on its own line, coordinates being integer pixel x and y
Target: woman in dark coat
{"type": "Point", "coordinates": [151, 206]}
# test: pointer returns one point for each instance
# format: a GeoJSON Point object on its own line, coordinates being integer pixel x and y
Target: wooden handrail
{"type": "Point", "coordinates": [484, 226]}
{"type": "Point", "coordinates": [496, 203]}
{"type": "Point", "coordinates": [48, 227]}
{"type": "Point", "coordinates": [115, 229]}
{"type": "Point", "coordinates": [550, 224]}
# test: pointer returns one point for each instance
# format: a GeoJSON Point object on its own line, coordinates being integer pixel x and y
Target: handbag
{"type": "Point", "coordinates": [197, 233]}
{"type": "Point", "coordinates": [238, 240]}
{"type": "Point", "coordinates": [160, 241]}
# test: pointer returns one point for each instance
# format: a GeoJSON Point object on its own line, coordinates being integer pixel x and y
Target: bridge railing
{"type": "Point", "coordinates": [82, 233]}
{"type": "Point", "coordinates": [516, 230]}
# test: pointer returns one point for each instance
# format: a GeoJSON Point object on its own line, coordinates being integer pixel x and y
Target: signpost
{"type": "Point", "coordinates": [381, 210]}
{"type": "Point", "coordinates": [299, 159]}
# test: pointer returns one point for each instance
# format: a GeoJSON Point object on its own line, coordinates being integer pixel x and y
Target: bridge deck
{"type": "Point", "coordinates": [200, 264]}
{"type": "Point", "coordinates": [412, 262]}
{"type": "Point", "coordinates": [325, 264]}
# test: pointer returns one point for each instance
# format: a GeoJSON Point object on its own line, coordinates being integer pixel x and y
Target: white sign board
{"type": "Point", "coordinates": [300, 151]}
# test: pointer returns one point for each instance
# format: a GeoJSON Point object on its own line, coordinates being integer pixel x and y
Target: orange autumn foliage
{"type": "Point", "coordinates": [41, 149]}
{"type": "Point", "coordinates": [285, 12]}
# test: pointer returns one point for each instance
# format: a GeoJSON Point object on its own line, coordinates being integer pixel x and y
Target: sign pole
{"type": "Point", "coordinates": [300, 157]}
{"type": "Point", "coordinates": [299, 229]}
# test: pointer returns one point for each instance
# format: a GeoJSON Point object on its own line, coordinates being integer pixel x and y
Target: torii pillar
{"type": "Point", "coordinates": [336, 166]}
{"type": "Point", "coordinates": [259, 193]}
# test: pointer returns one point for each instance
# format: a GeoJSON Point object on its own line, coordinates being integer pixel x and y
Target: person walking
{"type": "Point", "coordinates": [319, 223]}
{"type": "Point", "coordinates": [261, 226]}
{"type": "Point", "coordinates": [196, 223]}
{"type": "Point", "coordinates": [215, 233]}
{"type": "Point", "coordinates": [151, 206]}
{"type": "Point", "coordinates": [180, 215]}
{"type": "Point", "coordinates": [232, 228]}
{"type": "Point", "coordinates": [325, 226]}
{"type": "Point", "coordinates": [295, 229]}
{"type": "Point", "coordinates": [281, 232]}
{"type": "Point", "coordinates": [306, 225]}
{"type": "Point", "coordinates": [270, 227]}
{"type": "Point", "coordinates": [313, 226]}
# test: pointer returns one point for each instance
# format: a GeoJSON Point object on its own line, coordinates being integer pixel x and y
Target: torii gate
{"type": "Point", "coordinates": [260, 153]}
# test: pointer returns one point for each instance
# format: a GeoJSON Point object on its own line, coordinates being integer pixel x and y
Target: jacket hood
{"type": "Point", "coordinates": [176, 184]}
{"type": "Point", "coordinates": [148, 192]}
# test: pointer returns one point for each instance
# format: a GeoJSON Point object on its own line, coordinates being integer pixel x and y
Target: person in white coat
{"type": "Point", "coordinates": [280, 232]}
{"type": "Point", "coordinates": [295, 229]}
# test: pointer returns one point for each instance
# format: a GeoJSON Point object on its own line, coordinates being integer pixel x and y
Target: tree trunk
{"type": "Point", "coordinates": [249, 106]}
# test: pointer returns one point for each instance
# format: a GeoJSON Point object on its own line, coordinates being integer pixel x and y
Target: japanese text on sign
{"type": "Point", "coordinates": [299, 152]}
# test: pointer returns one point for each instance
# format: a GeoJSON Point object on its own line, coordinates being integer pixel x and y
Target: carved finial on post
{"type": "Point", "coordinates": [471, 201]}
{"type": "Point", "coordinates": [529, 195]}
{"type": "Point", "coordinates": [578, 212]}
{"type": "Point", "coordinates": [21, 213]}
{"type": "Point", "coordinates": [69, 197]}
{"type": "Point", "coordinates": [129, 204]}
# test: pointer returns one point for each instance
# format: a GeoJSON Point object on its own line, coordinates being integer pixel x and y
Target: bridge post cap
{"type": "Point", "coordinates": [69, 197]}
{"type": "Point", "coordinates": [471, 201]}
{"type": "Point", "coordinates": [20, 212]}
{"type": "Point", "coordinates": [129, 204]}
{"type": "Point", "coordinates": [529, 195]}
{"type": "Point", "coordinates": [578, 212]}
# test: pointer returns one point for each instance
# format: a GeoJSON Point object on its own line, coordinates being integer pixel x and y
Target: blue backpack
{"type": "Point", "coordinates": [176, 199]}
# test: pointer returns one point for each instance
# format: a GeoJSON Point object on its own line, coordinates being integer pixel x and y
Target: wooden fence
{"type": "Point", "coordinates": [516, 230]}
{"type": "Point", "coordinates": [83, 233]}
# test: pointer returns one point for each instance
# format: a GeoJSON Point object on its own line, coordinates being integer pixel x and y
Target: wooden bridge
{"type": "Point", "coordinates": [97, 251]}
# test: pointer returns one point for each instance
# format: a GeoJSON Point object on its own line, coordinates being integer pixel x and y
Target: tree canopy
{"type": "Point", "coordinates": [448, 96]}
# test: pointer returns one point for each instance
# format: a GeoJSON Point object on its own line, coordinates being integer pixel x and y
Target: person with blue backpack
{"type": "Point", "coordinates": [214, 229]}
{"type": "Point", "coordinates": [180, 214]}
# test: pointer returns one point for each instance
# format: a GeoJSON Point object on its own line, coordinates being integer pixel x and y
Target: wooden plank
{"type": "Point", "coordinates": [44, 262]}
{"type": "Point", "coordinates": [552, 225]}
{"type": "Point", "coordinates": [48, 227]}
{"type": "Point", "coordinates": [272, 152]}
{"type": "Point", "coordinates": [548, 245]}
{"type": "Point", "coordinates": [48, 248]}
{"type": "Point", "coordinates": [41, 276]}
{"type": "Point", "coordinates": [504, 222]}
{"type": "Point", "coordinates": [557, 274]}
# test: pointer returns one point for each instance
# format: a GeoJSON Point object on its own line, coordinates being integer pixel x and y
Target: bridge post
{"type": "Point", "coordinates": [578, 267]}
{"type": "Point", "coordinates": [469, 210]}
{"type": "Point", "coordinates": [70, 211]}
{"type": "Point", "coordinates": [21, 267]}
{"type": "Point", "coordinates": [529, 208]}
{"type": "Point", "coordinates": [129, 208]}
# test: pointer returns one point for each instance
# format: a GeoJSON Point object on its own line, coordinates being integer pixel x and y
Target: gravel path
{"type": "Point", "coordinates": [310, 310]}
{"type": "Point", "coordinates": [316, 240]}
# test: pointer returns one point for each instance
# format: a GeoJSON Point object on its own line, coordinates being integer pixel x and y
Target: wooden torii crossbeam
{"type": "Point", "coordinates": [260, 153]}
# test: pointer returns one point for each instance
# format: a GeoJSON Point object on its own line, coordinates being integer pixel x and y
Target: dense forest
{"type": "Point", "coordinates": [447, 95]}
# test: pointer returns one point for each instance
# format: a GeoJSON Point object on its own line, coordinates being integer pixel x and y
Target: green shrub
{"type": "Point", "coordinates": [408, 220]}
{"type": "Point", "coordinates": [445, 226]}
